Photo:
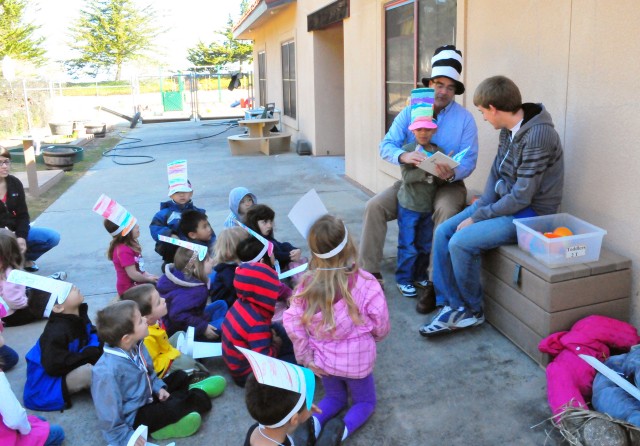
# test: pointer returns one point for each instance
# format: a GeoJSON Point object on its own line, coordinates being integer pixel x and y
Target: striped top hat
{"type": "Point", "coordinates": [422, 109]}
{"type": "Point", "coordinates": [446, 62]}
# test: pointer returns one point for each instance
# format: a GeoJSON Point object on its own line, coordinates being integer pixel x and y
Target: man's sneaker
{"type": "Point", "coordinates": [422, 283]}
{"type": "Point", "coordinates": [443, 322]}
{"type": "Point", "coordinates": [465, 318]}
{"type": "Point", "coordinates": [213, 386]}
{"type": "Point", "coordinates": [479, 318]}
{"type": "Point", "coordinates": [407, 289]}
{"type": "Point", "coordinates": [60, 275]}
{"type": "Point", "coordinates": [184, 427]}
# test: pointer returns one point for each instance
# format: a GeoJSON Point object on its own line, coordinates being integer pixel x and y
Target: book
{"type": "Point", "coordinates": [429, 165]}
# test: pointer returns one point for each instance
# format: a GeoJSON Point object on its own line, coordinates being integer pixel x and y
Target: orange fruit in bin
{"type": "Point", "coordinates": [551, 235]}
{"type": "Point", "coordinates": [562, 231]}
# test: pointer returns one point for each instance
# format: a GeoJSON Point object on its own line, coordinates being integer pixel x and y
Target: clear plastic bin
{"type": "Point", "coordinates": [581, 247]}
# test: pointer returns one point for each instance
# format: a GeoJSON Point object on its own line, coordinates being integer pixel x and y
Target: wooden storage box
{"type": "Point", "coordinates": [528, 301]}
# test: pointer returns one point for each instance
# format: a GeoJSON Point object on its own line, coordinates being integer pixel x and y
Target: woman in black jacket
{"type": "Point", "coordinates": [14, 215]}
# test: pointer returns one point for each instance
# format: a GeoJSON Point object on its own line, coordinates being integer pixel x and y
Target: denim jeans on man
{"type": "Point", "coordinates": [456, 257]}
{"type": "Point", "coordinates": [415, 233]}
{"type": "Point", "coordinates": [39, 241]}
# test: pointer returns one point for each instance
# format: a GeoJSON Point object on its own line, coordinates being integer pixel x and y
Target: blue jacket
{"type": "Point", "coordinates": [119, 388]}
{"type": "Point", "coordinates": [235, 197]}
{"type": "Point", "coordinates": [67, 342]}
{"type": "Point", "coordinates": [613, 400]}
{"type": "Point", "coordinates": [167, 219]}
{"type": "Point", "coordinates": [222, 287]}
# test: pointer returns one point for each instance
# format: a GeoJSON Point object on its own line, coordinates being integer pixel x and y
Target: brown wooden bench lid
{"type": "Point", "coordinates": [608, 262]}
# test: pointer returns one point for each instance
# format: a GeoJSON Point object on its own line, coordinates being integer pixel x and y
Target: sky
{"type": "Point", "coordinates": [185, 21]}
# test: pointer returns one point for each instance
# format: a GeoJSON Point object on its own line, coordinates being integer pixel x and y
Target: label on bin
{"type": "Point", "coordinates": [576, 251]}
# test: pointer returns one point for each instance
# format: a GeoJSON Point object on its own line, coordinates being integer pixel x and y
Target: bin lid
{"type": "Point", "coordinates": [608, 262]}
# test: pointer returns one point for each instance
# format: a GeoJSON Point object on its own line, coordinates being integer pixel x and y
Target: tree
{"type": "Point", "coordinates": [16, 37]}
{"type": "Point", "coordinates": [218, 54]}
{"type": "Point", "coordinates": [109, 33]}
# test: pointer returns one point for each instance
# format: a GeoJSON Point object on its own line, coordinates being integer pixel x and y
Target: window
{"type": "Point", "coordinates": [289, 79]}
{"type": "Point", "coordinates": [262, 77]}
{"type": "Point", "coordinates": [413, 30]}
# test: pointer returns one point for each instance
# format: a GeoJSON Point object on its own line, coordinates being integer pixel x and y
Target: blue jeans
{"type": "Point", "coordinates": [215, 312]}
{"type": "Point", "coordinates": [56, 434]}
{"type": "Point", "coordinates": [415, 233]}
{"type": "Point", "coordinates": [456, 257]}
{"type": "Point", "coordinates": [8, 358]}
{"type": "Point", "coordinates": [39, 241]}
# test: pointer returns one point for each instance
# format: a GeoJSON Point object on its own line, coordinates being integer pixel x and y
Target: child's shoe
{"type": "Point", "coordinates": [184, 427]}
{"type": "Point", "coordinates": [407, 289]}
{"type": "Point", "coordinates": [332, 433]}
{"type": "Point", "coordinates": [197, 376]}
{"type": "Point", "coordinates": [213, 386]}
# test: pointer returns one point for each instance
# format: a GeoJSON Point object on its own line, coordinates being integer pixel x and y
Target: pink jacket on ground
{"type": "Point", "coordinates": [13, 295]}
{"type": "Point", "coordinates": [16, 427]}
{"type": "Point", "coordinates": [569, 377]}
{"type": "Point", "coordinates": [350, 350]}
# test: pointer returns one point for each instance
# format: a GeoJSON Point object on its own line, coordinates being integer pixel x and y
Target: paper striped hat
{"type": "Point", "coordinates": [422, 109]}
{"type": "Point", "coordinates": [178, 179]}
{"type": "Point", "coordinates": [116, 214]}
{"type": "Point", "coordinates": [446, 62]}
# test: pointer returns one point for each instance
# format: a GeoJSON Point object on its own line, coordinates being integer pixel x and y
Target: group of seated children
{"type": "Point", "coordinates": [137, 375]}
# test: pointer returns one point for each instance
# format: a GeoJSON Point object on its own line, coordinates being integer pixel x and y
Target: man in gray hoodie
{"type": "Point", "coordinates": [526, 180]}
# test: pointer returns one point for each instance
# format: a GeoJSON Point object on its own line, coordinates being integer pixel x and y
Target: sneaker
{"type": "Point", "coordinates": [479, 318]}
{"type": "Point", "coordinates": [464, 319]}
{"type": "Point", "coordinates": [197, 376]}
{"type": "Point", "coordinates": [407, 289]}
{"type": "Point", "coordinates": [213, 386]}
{"type": "Point", "coordinates": [60, 275]}
{"type": "Point", "coordinates": [184, 427]}
{"type": "Point", "coordinates": [443, 322]}
{"type": "Point", "coordinates": [332, 433]}
{"type": "Point", "coordinates": [422, 283]}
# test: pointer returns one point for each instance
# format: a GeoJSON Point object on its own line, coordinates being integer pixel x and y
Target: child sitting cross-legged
{"type": "Point", "coordinates": [61, 361]}
{"type": "Point", "coordinates": [127, 392]}
{"type": "Point", "coordinates": [248, 322]}
{"type": "Point", "coordinates": [185, 286]}
{"type": "Point", "coordinates": [167, 359]}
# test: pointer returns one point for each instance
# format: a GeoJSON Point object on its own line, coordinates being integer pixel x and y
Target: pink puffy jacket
{"type": "Point", "coordinates": [569, 377]}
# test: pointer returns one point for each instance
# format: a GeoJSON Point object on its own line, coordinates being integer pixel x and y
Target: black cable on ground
{"type": "Point", "coordinates": [149, 158]}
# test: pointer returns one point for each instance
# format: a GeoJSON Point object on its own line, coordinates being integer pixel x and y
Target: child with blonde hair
{"type": "Point", "coordinates": [185, 286]}
{"type": "Point", "coordinates": [338, 313]}
{"type": "Point", "coordinates": [226, 260]}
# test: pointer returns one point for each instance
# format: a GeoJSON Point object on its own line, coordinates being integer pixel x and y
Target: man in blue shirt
{"type": "Point", "coordinates": [457, 132]}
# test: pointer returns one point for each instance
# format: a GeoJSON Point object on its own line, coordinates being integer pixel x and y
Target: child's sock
{"type": "Point", "coordinates": [345, 434]}
{"type": "Point", "coordinates": [317, 427]}
{"type": "Point", "coordinates": [213, 386]}
{"type": "Point", "coordinates": [184, 427]}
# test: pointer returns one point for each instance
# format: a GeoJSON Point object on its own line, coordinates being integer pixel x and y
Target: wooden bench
{"type": "Point", "coordinates": [527, 301]}
{"type": "Point", "coordinates": [259, 138]}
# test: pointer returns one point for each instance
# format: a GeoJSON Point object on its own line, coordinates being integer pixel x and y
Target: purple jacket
{"type": "Point", "coordinates": [186, 299]}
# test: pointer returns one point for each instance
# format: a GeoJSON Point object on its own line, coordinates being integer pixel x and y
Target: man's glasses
{"type": "Point", "coordinates": [5, 163]}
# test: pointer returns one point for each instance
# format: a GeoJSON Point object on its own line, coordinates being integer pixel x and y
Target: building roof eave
{"type": "Point", "coordinates": [255, 16]}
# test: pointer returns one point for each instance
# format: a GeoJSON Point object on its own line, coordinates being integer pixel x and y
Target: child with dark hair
{"type": "Point", "coordinates": [249, 321]}
{"type": "Point", "coordinates": [270, 405]}
{"type": "Point", "coordinates": [127, 392]}
{"type": "Point", "coordinates": [167, 359]}
{"type": "Point", "coordinates": [61, 361]}
{"type": "Point", "coordinates": [260, 218]}
{"type": "Point", "coordinates": [226, 260]}
{"type": "Point", "coordinates": [185, 286]}
{"type": "Point", "coordinates": [194, 227]}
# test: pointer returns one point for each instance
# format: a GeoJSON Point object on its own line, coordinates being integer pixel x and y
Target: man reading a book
{"type": "Point", "coordinates": [457, 131]}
